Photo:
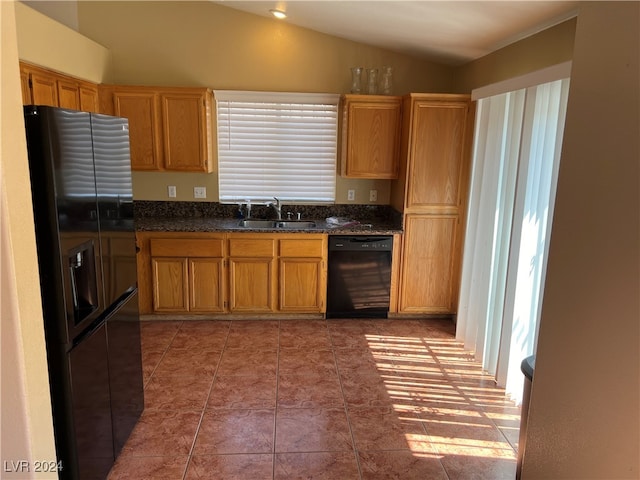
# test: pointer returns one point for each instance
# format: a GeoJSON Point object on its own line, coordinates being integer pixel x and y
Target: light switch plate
{"type": "Point", "coordinates": [199, 192]}
{"type": "Point", "coordinates": [171, 191]}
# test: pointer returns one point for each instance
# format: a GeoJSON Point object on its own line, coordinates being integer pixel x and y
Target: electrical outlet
{"type": "Point", "coordinates": [351, 195]}
{"type": "Point", "coordinates": [199, 192]}
{"type": "Point", "coordinates": [171, 191]}
{"type": "Point", "coordinates": [373, 195]}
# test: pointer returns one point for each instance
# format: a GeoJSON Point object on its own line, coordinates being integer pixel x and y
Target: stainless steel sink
{"type": "Point", "coordinates": [284, 224]}
{"type": "Point", "coordinates": [295, 224]}
{"type": "Point", "coordinates": [258, 223]}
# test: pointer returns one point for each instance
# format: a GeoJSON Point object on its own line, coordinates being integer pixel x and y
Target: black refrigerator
{"type": "Point", "coordinates": [83, 209]}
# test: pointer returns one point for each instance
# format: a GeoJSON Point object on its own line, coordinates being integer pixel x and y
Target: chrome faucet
{"type": "Point", "coordinates": [278, 207]}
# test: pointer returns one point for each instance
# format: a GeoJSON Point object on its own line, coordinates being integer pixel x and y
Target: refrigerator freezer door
{"type": "Point", "coordinates": [125, 369]}
{"type": "Point", "coordinates": [91, 405]}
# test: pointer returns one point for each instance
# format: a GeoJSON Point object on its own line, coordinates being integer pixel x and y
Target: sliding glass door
{"type": "Point", "coordinates": [516, 156]}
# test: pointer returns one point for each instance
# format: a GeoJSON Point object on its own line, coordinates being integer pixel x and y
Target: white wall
{"type": "Point", "coordinates": [65, 12]}
{"type": "Point", "coordinates": [584, 417]}
{"type": "Point", "coordinates": [27, 426]}
{"type": "Point", "coordinates": [43, 41]}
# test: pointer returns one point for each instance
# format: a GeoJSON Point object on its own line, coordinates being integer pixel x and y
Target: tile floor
{"type": "Point", "coordinates": [316, 399]}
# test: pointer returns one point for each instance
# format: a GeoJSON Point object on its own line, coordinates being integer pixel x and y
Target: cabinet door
{"type": "Point", "coordinates": [302, 274]}
{"type": "Point", "coordinates": [26, 89]}
{"type": "Point", "coordinates": [206, 292]}
{"type": "Point", "coordinates": [140, 107]}
{"type": "Point", "coordinates": [68, 94]}
{"type": "Point", "coordinates": [169, 277]}
{"type": "Point", "coordinates": [251, 285]}
{"type": "Point", "coordinates": [437, 160]}
{"type": "Point", "coordinates": [44, 90]}
{"type": "Point", "coordinates": [89, 98]}
{"type": "Point", "coordinates": [184, 128]}
{"type": "Point", "coordinates": [372, 138]}
{"type": "Point", "coordinates": [429, 264]}
{"type": "Point", "coordinates": [301, 285]}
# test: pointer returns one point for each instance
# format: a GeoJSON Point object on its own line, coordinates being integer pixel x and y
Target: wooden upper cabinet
{"type": "Point", "coordinates": [41, 86]}
{"type": "Point", "coordinates": [44, 90]}
{"type": "Point", "coordinates": [437, 154]}
{"type": "Point", "coordinates": [169, 128]}
{"type": "Point", "coordinates": [371, 136]}
{"type": "Point", "coordinates": [24, 84]}
{"type": "Point", "coordinates": [68, 94]}
{"type": "Point", "coordinates": [140, 107]}
{"type": "Point", "coordinates": [186, 128]}
{"type": "Point", "coordinates": [89, 98]}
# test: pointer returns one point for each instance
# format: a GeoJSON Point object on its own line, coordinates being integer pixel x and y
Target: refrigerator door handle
{"type": "Point", "coordinates": [74, 287]}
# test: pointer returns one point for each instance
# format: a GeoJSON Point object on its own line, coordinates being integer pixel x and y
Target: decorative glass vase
{"type": "Point", "coordinates": [356, 80]}
{"type": "Point", "coordinates": [372, 81]}
{"type": "Point", "coordinates": [386, 82]}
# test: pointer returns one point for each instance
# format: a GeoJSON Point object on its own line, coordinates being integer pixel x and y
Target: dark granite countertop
{"type": "Point", "coordinates": [208, 224]}
{"type": "Point", "coordinates": [199, 217]}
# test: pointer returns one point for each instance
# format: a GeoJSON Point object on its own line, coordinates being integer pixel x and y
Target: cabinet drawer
{"type": "Point", "coordinates": [301, 248]}
{"type": "Point", "coordinates": [186, 247]}
{"type": "Point", "coordinates": [251, 247]}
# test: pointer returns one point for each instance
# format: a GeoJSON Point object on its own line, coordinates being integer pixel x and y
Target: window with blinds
{"type": "Point", "coordinates": [277, 145]}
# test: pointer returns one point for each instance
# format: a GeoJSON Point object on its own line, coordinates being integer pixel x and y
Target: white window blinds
{"type": "Point", "coordinates": [276, 145]}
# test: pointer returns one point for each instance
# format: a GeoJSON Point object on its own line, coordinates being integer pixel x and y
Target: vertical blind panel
{"type": "Point", "coordinates": [277, 145]}
{"type": "Point", "coordinates": [517, 147]}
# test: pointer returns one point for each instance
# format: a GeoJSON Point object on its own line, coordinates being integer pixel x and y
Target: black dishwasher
{"type": "Point", "coordinates": [359, 276]}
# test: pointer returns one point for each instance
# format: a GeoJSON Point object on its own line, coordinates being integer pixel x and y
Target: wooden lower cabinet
{"type": "Point", "coordinates": [186, 274]}
{"type": "Point", "coordinates": [430, 264]}
{"type": "Point", "coordinates": [302, 274]}
{"type": "Point", "coordinates": [206, 285]}
{"type": "Point", "coordinates": [251, 285]}
{"type": "Point", "coordinates": [170, 284]}
{"type": "Point", "coordinates": [251, 273]}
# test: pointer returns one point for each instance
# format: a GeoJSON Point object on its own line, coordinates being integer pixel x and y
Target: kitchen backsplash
{"type": "Point", "coordinates": [146, 208]}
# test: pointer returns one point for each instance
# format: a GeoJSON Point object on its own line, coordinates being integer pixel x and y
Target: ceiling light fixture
{"type": "Point", "coordinates": [278, 13]}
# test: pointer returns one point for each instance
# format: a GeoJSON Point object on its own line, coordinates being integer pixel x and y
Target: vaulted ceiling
{"type": "Point", "coordinates": [449, 32]}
